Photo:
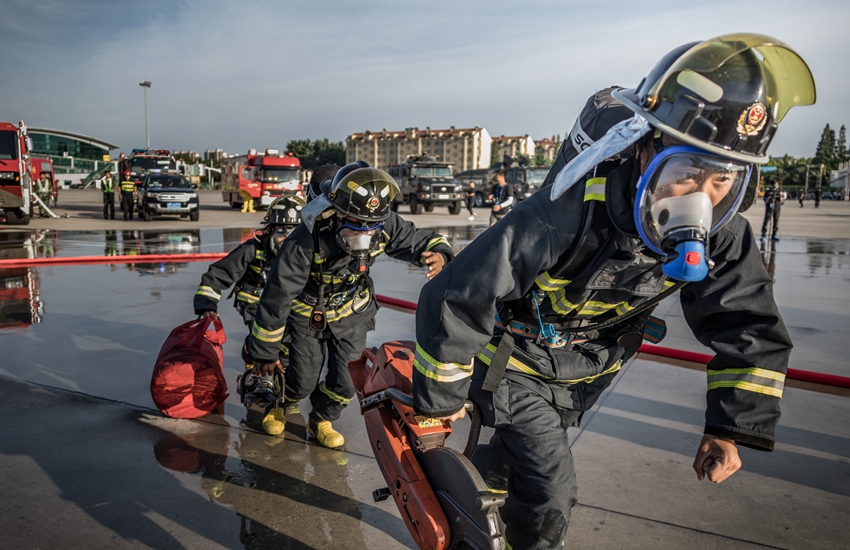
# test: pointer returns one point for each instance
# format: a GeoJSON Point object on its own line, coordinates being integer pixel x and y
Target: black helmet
{"type": "Point", "coordinates": [362, 192]}
{"type": "Point", "coordinates": [284, 211]}
{"type": "Point", "coordinates": [725, 95]}
{"type": "Point", "coordinates": [323, 173]}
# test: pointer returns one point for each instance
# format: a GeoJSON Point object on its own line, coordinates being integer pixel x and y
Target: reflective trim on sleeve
{"type": "Point", "coordinates": [247, 297]}
{"type": "Point", "coordinates": [264, 335]}
{"type": "Point", "coordinates": [550, 284]}
{"type": "Point", "coordinates": [441, 372]}
{"type": "Point", "coordinates": [752, 379]}
{"type": "Point", "coordinates": [594, 190]}
{"type": "Point", "coordinates": [208, 291]}
{"type": "Point", "coordinates": [284, 349]}
{"type": "Point", "coordinates": [593, 308]}
{"type": "Point", "coordinates": [560, 303]}
{"type": "Point", "coordinates": [516, 365]}
{"type": "Point", "coordinates": [333, 395]}
{"type": "Point", "coordinates": [438, 240]}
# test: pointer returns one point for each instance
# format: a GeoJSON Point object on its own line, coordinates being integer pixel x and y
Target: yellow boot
{"type": "Point", "coordinates": [251, 205]}
{"type": "Point", "coordinates": [327, 436]}
{"type": "Point", "coordinates": [274, 422]}
{"type": "Point", "coordinates": [244, 206]}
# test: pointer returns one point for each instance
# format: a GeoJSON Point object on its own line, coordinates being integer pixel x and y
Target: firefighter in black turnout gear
{"type": "Point", "coordinates": [643, 200]}
{"type": "Point", "coordinates": [320, 293]}
{"type": "Point", "coordinates": [246, 268]}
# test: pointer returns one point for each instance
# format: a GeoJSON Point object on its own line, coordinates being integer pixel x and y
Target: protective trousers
{"type": "Point", "coordinates": [127, 205]}
{"type": "Point", "coordinates": [109, 206]}
{"type": "Point", "coordinates": [771, 214]}
{"type": "Point", "coordinates": [529, 455]}
{"type": "Point", "coordinates": [306, 356]}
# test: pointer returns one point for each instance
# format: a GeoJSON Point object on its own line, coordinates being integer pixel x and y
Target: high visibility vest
{"type": "Point", "coordinates": [107, 186]}
{"type": "Point", "coordinates": [128, 186]}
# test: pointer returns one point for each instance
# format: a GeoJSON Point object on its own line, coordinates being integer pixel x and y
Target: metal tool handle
{"type": "Point", "coordinates": [404, 399]}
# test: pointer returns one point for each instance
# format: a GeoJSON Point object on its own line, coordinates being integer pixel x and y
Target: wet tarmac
{"type": "Point", "coordinates": [88, 462]}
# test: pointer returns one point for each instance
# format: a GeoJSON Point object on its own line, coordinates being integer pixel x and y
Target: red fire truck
{"type": "Point", "coordinates": [264, 176]}
{"type": "Point", "coordinates": [20, 294]}
{"type": "Point", "coordinates": [16, 179]}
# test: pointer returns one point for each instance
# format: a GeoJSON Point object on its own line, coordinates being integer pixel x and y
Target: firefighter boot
{"type": "Point", "coordinates": [251, 205]}
{"type": "Point", "coordinates": [274, 422]}
{"type": "Point", "coordinates": [244, 206]}
{"type": "Point", "coordinates": [325, 433]}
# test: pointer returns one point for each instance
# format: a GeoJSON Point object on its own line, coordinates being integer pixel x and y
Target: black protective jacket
{"type": "Point", "coordinates": [308, 262]}
{"type": "Point", "coordinates": [731, 311]}
{"type": "Point", "coordinates": [247, 266]}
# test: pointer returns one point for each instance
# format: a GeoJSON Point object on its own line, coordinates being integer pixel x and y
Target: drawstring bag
{"type": "Point", "coordinates": [188, 378]}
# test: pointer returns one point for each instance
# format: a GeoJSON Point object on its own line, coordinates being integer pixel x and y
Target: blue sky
{"type": "Point", "coordinates": [255, 74]}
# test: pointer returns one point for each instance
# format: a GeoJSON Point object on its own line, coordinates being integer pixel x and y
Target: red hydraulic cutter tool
{"type": "Point", "coordinates": [441, 496]}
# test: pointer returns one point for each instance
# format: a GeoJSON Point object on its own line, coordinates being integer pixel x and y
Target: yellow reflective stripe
{"type": "Point", "coordinates": [752, 379]}
{"type": "Point", "coordinates": [333, 395]}
{"type": "Point", "coordinates": [264, 335]}
{"type": "Point", "coordinates": [328, 278]}
{"type": "Point", "coordinates": [439, 239]}
{"type": "Point", "coordinates": [208, 291]}
{"type": "Point", "coordinates": [591, 307]}
{"type": "Point", "coordinates": [246, 297]}
{"type": "Point", "coordinates": [284, 349]}
{"type": "Point", "coordinates": [381, 248]}
{"type": "Point", "coordinates": [667, 286]}
{"type": "Point", "coordinates": [305, 310]}
{"type": "Point", "coordinates": [594, 190]}
{"type": "Point", "coordinates": [486, 357]}
{"type": "Point", "coordinates": [550, 284]}
{"type": "Point", "coordinates": [256, 268]}
{"type": "Point", "coordinates": [515, 364]}
{"type": "Point", "coordinates": [317, 258]}
{"type": "Point", "coordinates": [441, 372]}
{"type": "Point", "coordinates": [260, 255]}
{"type": "Point", "coordinates": [560, 303]}
{"type": "Point", "coordinates": [623, 308]}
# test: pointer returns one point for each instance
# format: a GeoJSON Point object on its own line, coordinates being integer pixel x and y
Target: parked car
{"type": "Point", "coordinates": [167, 194]}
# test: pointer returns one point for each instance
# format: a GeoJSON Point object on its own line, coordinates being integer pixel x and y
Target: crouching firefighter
{"type": "Point", "coordinates": [320, 293]}
{"type": "Point", "coordinates": [644, 199]}
{"type": "Point", "coordinates": [246, 268]}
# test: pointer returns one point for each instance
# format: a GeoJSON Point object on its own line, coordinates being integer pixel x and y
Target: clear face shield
{"type": "Point", "coordinates": [685, 196]}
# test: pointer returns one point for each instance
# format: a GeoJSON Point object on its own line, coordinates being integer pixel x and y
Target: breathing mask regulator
{"type": "Point", "coordinates": [685, 196]}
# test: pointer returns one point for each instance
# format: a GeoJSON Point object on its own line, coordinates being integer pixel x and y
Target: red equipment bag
{"type": "Point", "coordinates": [188, 378]}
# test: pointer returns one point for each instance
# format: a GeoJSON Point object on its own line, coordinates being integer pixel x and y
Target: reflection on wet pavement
{"type": "Point", "coordinates": [96, 330]}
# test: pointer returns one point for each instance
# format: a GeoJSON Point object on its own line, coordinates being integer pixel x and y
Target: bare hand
{"type": "Point", "coordinates": [213, 314]}
{"type": "Point", "coordinates": [496, 207]}
{"type": "Point", "coordinates": [716, 457]}
{"type": "Point", "coordinates": [456, 416]}
{"type": "Point", "coordinates": [267, 368]}
{"type": "Point", "coordinates": [435, 262]}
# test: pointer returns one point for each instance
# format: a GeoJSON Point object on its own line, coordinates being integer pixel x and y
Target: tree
{"type": "Point", "coordinates": [313, 154]}
{"type": "Point", "coordinates": [825, 152]}
{"type": "Point", "coordinates": [494, 153]}
{"type": "Point", "coordinates": [841, 152]}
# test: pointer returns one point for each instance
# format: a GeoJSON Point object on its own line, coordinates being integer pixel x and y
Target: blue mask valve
{"type": "Point", "coordinates": [689, 264]}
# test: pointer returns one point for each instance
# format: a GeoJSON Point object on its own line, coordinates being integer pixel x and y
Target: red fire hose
{"type": "Point", "coordinates": [394, 303]}
{"type": "Point", "coordinates": [792, 374]}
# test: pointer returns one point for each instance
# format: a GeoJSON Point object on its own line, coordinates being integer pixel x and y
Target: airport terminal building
{"type": "Point", "coordinates": [75, 156]}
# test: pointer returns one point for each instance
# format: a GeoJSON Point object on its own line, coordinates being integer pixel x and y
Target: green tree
{"type": "Point", "coordinates": [841, 151]}
{"type": "Point", "coordinates": [494, 153]}
{"type": "Point", "coordinates": [313, 154]}
{"type": "Point", "coordinates": [825, 152]}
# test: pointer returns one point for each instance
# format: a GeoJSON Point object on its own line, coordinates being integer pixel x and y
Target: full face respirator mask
{"type": "Point", "coordinates": [279, 234]}
{"type": "Point", "coordinates": [685, 196]}
{"type": "Point", "coordinates": [356, 238]}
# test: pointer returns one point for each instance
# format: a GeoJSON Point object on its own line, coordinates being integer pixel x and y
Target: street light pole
{"type": "Point", "coordinates": [146, 84]}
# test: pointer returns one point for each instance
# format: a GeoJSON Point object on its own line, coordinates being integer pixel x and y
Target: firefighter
{"type": "Point", "coordinates": [247, 201]}
{"type": "Point", "coordinates": [128, 191]}
{"type": "Point", "coordinates": [503, 198]}
{"type": "Point", "coordinates": [44, 192]}
{"type": "Point", "coordinates": [108, 188]}
{"type": "Point", "coordinates": [642, 200]}
{"type": "Point", "coordinates": [246, 268]}
{"type": "Point", "coordinates": [320, 292]}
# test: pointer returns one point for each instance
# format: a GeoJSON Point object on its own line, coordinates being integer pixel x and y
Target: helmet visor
{"type": "Point", "coordinates": [791, 84]}
{"type": "Point", "coordinates": [685, 188]}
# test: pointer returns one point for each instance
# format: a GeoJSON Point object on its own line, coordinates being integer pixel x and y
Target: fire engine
{"type": "Point", "coordinates": [16, 179]}
{"type": "Point", "coordinates": [20, 293]}
{"type": "Point", "coordinates": [264, 176]}
{"type": "Point", "coordinates": [142, 161]}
